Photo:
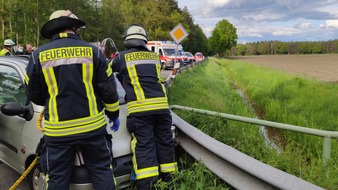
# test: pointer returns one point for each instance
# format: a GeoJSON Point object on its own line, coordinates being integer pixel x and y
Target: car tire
{"type": "Point", "coordinates": [36, 179]}
{"type": "Point", "coordinates": [164, 67]}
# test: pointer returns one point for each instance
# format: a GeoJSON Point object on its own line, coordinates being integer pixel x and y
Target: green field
{"type": "Point", "coordinates": [235, 87]}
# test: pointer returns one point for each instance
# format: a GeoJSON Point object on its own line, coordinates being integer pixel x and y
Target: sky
{"type": "Point", "coordinates": [264, 20]}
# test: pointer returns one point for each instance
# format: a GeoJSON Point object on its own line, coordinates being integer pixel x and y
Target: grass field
{"type": "Point", "coordinates": [279, 96]}
{"type": "Point", "coordinates": [323, 67]}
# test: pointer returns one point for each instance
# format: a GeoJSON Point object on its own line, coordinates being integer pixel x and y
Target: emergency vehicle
{"type": "Point", "coordinates": [166, 51]}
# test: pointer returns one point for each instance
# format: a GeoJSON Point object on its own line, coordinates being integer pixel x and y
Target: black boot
{"type": "Point", "coordinates": [146, 183]}
{"type": "Point", "coordinates": [167, 177]}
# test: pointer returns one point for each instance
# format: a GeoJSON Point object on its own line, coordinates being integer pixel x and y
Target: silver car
{"type": "Point", "coordinates": [19, 135]}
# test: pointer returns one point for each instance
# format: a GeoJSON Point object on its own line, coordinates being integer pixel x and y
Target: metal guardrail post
{"type": "Point", "coordinates": [327, 135]}
{"type": "Point", "coordinates": [326, 150]}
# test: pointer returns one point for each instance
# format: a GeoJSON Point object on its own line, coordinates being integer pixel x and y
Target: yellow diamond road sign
{"type": "Point", "coordinates": [178, 33]}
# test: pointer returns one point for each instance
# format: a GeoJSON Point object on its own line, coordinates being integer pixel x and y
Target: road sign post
{"type": "Point", "coordinates": [177, 34]}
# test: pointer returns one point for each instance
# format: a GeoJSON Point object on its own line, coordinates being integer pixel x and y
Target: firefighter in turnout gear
{"type": "Point", "coordinates": [149, 119]}
{"type": "Point", "coordinates": [71, 78]}
{"type": "Point", "coordinates": [7, 50]}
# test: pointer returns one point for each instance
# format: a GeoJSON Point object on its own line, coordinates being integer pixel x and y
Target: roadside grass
{"type": "Point", "coordinates": [270, 95]}
{"type": "Point", "coordinates": [192, 175]}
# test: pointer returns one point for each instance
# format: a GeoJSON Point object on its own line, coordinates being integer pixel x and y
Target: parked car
{"type": "Point", "coordinates": [199, 56]}
{"type": "Point", "coordinates": [184, 57]}
{"type": "Point", "coordinates": [19, 135]}
{"type": "Point", "coordinates": [191, 58]}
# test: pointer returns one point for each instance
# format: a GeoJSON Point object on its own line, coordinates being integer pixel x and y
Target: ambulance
{"type": "Point", "coordinates": [167, 53]}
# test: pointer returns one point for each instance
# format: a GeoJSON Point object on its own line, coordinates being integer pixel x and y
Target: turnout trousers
{"type": "Point", "coordinates": [153, 148]}
{"type": "Point", "coordinates": [57, 160]}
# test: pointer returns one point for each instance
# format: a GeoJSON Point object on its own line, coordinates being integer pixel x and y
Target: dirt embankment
{"type": "Point", "coordinates": [319, 67]}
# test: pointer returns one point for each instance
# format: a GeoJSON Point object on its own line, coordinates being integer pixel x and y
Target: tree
{"type": "Point", "coordinates": [224, 37]}
{"type": "Point", "coordinates": [202, 41]}
{"type": "Point", "coordinates": [281, 48]}
{"type": "Point", "coordinates": [196, 41]}
{"type": "Point", "coordinates": [240, 49]}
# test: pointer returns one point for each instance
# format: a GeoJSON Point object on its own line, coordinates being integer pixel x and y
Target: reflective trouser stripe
{"type": "Point", "coordinates": [144, 172]}
{"type": "Point", "coordinates": [168, 167]}
{"type": "Point", "coordinates": [47, 179]}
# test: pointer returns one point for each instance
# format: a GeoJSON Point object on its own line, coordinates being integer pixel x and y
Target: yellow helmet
{"type": "Point", "coordinates": [60, 20]}
{"type": "Point", "coordinates": [135, 31]}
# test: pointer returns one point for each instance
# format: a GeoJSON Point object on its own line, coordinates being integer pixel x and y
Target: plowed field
{"type": "Point", "coordinates": [319, 67]}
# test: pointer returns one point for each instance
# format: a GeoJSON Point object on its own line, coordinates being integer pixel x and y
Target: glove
{"type": "Point", "coordinates": [115, 127]}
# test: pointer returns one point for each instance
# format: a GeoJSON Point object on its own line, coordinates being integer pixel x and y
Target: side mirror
{"type": "Point", "coordinates": [14, 108]}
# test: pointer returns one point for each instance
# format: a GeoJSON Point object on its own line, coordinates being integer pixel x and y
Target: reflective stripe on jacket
{"type": "Point", "coordinates": [5, 52]}
{"type": "Point", "coordinates": [141, 73]}
{"type": "Point", "coordinates": [71, 78]}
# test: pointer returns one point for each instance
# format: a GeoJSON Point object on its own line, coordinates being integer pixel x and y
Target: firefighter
{"type": "Point", "coordinates": [7, 50]}
{"type": "Point", "coordinates": [71, 78]}
{"type": "Point", "coordinates": [149, 119]}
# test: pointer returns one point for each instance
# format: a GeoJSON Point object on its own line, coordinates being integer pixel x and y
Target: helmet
{"type": "Point", "coordinates": [135, 31]}
{"type": "Point", "coordinates": [60, 20]}
{"type": "Point", "coordinates": [9, 42]}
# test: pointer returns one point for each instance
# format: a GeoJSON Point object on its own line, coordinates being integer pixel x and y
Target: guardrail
{"type": "Point", "coordinates": [234, 167]}
{"type": "Point", "coordinates": [327, 135]}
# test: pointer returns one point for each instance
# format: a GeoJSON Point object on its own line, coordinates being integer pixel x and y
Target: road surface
{"type": "Point", "coordinates": [8, 177]}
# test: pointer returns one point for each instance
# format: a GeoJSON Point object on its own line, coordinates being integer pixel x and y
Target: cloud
{"type": "Point", "coordinates": [304, 25]}
{"type": "Point", "coordinates": [270, 10]}
{"type": "Point", "coordinates": [330, 24]}
{"type": "Point", "coordinates": [286, 32]}
{"type": "Point", "coordinates": [269, 19]}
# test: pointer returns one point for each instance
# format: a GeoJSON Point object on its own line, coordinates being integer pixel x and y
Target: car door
{"type": "Point", "coordinates": [11, 90]}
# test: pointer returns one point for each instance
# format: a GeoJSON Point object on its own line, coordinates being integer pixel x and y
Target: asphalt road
{"type": "Point", "coordinates": [8, 176]}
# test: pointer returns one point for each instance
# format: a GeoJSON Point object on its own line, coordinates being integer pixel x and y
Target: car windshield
{"type": "Point", "coordinates": [169, 52]}
{"type": "Point", "coordinates": [188, 54]}
{"type": "Point", "coordinates": [198, 54]}
{"type": "Point", "coordinates": [181, 52]}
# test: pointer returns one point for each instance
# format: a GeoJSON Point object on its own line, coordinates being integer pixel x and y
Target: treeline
{"type": "Point", "coordinates": [21, 20]}
{"type": "Point", "coordinates": [280, 48]}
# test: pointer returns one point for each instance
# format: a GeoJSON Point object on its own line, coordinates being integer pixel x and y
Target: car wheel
{"type": "Point", "coordinates": [164, 67]}
{"type": "Point", "coordinates": [36, 179]}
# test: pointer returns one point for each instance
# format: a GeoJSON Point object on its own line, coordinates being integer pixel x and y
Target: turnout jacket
{"type": "Point", "coordinates": [140, 69]}
{"type": "Point", "coordinates": [5, 52]}
{"type": "Point", "coordinates": [71, 78]}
